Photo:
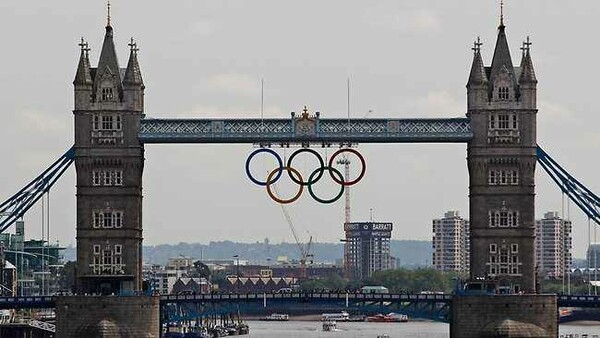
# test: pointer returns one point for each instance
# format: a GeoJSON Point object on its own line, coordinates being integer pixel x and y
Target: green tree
{"type": "Point", "coordinates": [66, 277]}
{"type": "Point", "coordinates": [414, 281]}
{"type": "Point", "coordinates": [200, 270]}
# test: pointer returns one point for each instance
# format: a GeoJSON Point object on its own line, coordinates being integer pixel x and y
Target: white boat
{"type": "Point", "coordinates": [277, 317]}
{"type": "Point", "coordinates": [329, 325]}
{"type": "Point", "coordinates": [340, 316]}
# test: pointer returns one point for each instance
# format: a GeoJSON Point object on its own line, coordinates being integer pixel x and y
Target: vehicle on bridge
{"type": "Point", "coordinates": [374, 289]}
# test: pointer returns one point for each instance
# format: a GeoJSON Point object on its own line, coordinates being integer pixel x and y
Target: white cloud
{"type": "Point", "coordinates": [216, 111]}
{"type": "Point", "coordinates": [405, 20]}
{"type": "Point", "coordinates": [441, 103]}
{"type": "Point", "coordinates": [554, 110]}
{"type": "Point", "coordinates": [235, 83]}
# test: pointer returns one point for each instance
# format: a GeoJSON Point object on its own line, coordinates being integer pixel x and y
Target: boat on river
{"type": "Point", "coordinates": [391, 317]}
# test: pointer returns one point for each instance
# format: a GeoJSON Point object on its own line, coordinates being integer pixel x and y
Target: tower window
{"type": "Point", "coordinates": [96, 122]}
{"type": "Point", "coordinates": [96, 178]}
{"type": "Point", "coordinates": [107, 94]}
{"type": "Point", "coordinates": [107, 122]}
{"type": "Point", "coordinates": [503, 177]}
{"type": "Point", "coordinates": [503, 218]}
{"type": "Point", "coordinates": [107, 219]}
{"type": "Point", "coordinates": [503, 93]}
{"type": "Point", "coordinates": [504, 121]}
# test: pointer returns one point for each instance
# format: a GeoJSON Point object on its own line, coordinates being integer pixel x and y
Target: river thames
{"type": "Point", "coordinates": [423, 329]}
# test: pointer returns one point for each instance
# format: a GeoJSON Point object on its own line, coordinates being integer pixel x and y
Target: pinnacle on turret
{"type": "Point", "coordinates": [478, 75]}
{"type": "Point", "coordinates": [83, 77]}
{"type": "Point", "coordinates": [133, 75]}
{"type": "Point", "coordinates": [108, 65]}
{"type": "Point", "coordinates": [527, 71]}
{"type": "Point", "coordinates": [501, 57]}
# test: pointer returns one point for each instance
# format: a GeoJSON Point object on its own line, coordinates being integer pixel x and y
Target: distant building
{"type": "Point", "coordinates": [367, 248]}
{"type": "Point", "coordinates": [180, 263]}
{"type": "Point", "coordinates": [553, 246]}
{"type": "Point", "coordinates": [593, 255]}
{"type": "Point", "coordinates": [451, 243]}
{"type": "Point", "coordinates": [256, 284]}
{"type": "Point", "coordinates": [194, 286]}
{"type": "Point", "coordinates": [317, 270]}
{"type": "Point", "coordinates": [36, 262]}
{"type": "Point", "coordinates": [161, 279]}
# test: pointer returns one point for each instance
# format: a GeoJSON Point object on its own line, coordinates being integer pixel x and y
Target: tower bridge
{"type": "Point", "coordinates": [111, 131]}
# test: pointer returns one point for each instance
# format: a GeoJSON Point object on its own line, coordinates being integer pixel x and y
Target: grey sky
{"type": "Point", "coordinates": [206, 59]}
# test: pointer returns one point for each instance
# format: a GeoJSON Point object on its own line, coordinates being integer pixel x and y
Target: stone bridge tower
{"type": "Point", "coordinates": [109, 159]}
{"type": "Point", "coordinates": [501, 160]}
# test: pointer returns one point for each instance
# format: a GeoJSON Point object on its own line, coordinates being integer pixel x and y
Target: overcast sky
{"type": "Point", "coordinates": [207, 58]}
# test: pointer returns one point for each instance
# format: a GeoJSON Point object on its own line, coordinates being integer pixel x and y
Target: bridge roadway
{"type": "Point", "coordinates": [583, 301]}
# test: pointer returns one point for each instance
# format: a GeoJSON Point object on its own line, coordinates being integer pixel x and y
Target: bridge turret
{"type": "Point", "coordinates": [477, 87]}
{"type": "Point", "coordinates": [83, 78]}
{"type": "Point", "coordinates": [527, 80]}
{"type": "Point", "coordinates": [109, 160]}
{"type": "Point", "coordinates": [501, 160]}
{"type": "Point", "coordinates": [133, 85]}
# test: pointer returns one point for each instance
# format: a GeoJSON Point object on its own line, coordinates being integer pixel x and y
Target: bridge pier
{"type": "Point", "coordinates": [491, 316]}
{"type": "Point", "coordinates": [107, 316]}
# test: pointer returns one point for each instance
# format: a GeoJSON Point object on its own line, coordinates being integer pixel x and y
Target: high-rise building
{"type": "Point", "coordinates": [553, 246]}
{"type": "Point", "coordinates": [501, 157]}
{"type": "Point", "coordinates": [451, 243]}
{"type": "Point", "coordinates": [593, 255]}
{"type": "Point", "coordinates": [367, 248]}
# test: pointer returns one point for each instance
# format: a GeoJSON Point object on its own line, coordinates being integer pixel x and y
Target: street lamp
{"type": "Point", "coordinates": [237, 264]}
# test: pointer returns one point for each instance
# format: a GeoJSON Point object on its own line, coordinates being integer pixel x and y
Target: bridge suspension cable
{"type": "Point", "coordinates": [17, 205]}
{"type": "Point", "coordinates": [585, 199]}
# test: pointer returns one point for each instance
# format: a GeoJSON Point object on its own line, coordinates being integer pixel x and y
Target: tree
{"type": "Point", "coordinates": [200, 270]}
{"type": "Point", "coordinates": [414, 281]}
{"type": "Point", "coordinates": [66, 277]}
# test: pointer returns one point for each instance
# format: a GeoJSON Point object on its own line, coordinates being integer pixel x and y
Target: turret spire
{"type": "Point", "coordinates": [477, 76]}
{"type": "Point", "coordinates": [83, 76]}
{"type": "Point", "coordinates": [501, 13]}
{"type": "Point", "coordinates": [133, 75]}
{"type": "Point", "coordinates": [502, 62]}
{"type": "Point", "coordinates": [108, 65]}
{"type": "Point", "coordinates": [527, 72]}
{"type": "Point", "coordinates": [108, 13]}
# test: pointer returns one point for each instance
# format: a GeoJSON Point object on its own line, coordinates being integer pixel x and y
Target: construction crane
{"type": "Point", "coordinates": [304, 249]}
{"type": "Point", "coordinates": [346, 162]}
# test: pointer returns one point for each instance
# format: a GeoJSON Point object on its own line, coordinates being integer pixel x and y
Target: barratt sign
{"type": "Point", "coordinates": [368, 226]}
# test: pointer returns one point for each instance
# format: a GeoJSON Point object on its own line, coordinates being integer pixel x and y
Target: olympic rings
{"type": "Point", "coordinates": [310, 180]}
{"type": "Point", "coordinates": [279, 169]}
{"type": "Point", "coordinates": [321, 170]}
{"type": "Point", "coordinates": [313, 178]}
{"type": "Point", "coordinates": [362, 163]}
{"type": "Point", "coordinates": [290, 170]}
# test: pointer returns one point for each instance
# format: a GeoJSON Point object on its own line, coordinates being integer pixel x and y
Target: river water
{"type": "Point", "coordinates": [293, 329]}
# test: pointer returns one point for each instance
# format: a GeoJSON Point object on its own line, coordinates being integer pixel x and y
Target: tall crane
{"type": "Point", "coordinates": [304, 249]}
{"type": "Point", "coordinates": [346, 162]}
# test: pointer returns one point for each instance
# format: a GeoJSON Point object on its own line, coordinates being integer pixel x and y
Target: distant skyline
{"type": "Point", "coordinates": [207, 58]}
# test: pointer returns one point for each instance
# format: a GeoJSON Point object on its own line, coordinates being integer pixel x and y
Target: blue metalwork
{"type": "Point", "coordinates": [583, 301]}
{"type": "Point", "coordinates": [585, 199]}
{"type": "Point", "coordinates": [189, 307]}
{"type": "Point", "coordinates": [33, 302]}
{"type": "Point", "coordinates": [305, 129]}
{"type": "Point", "coordinates": [16, 206]}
